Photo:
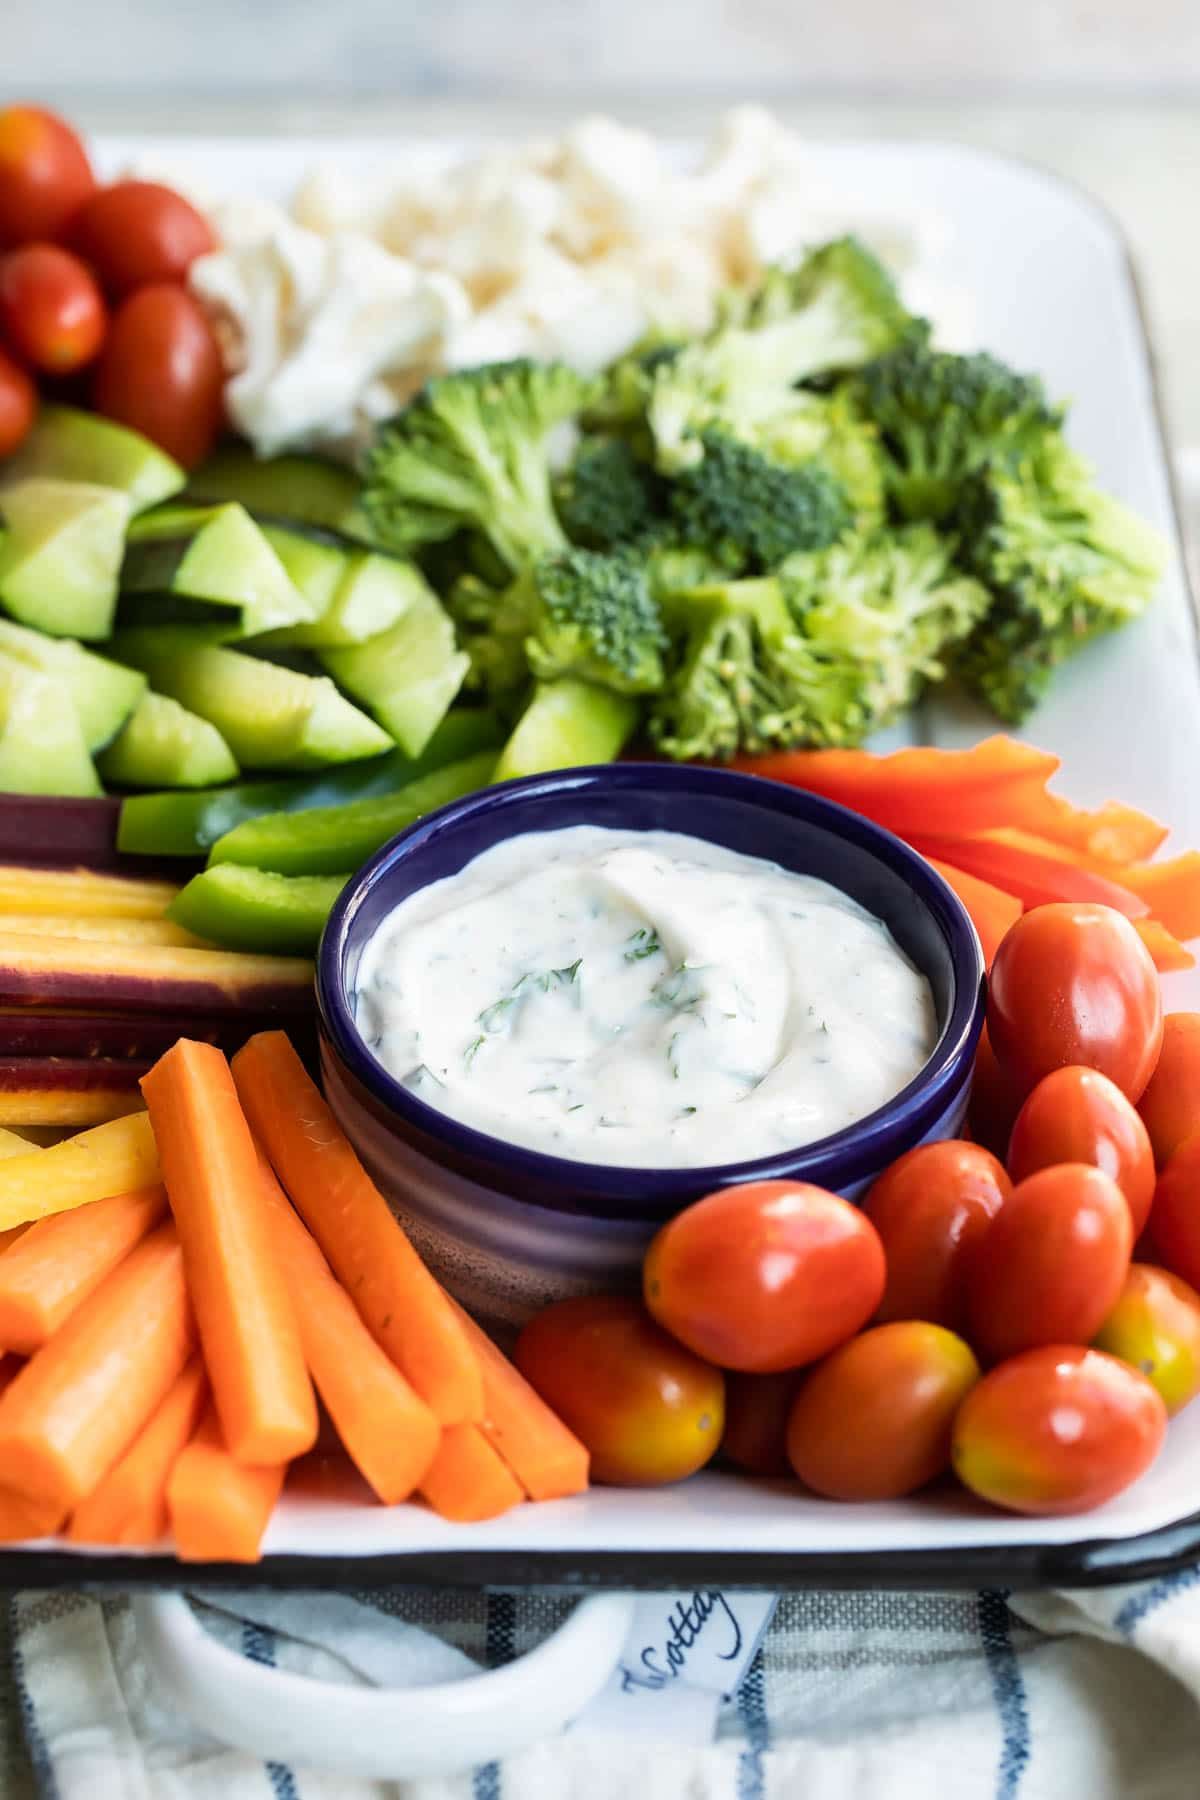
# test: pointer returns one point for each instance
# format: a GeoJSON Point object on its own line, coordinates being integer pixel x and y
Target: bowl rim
{"type": "Point", "coordinates": [867, 1142]}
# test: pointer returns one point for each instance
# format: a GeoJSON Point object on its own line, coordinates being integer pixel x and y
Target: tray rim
{"type": "Point", "coordinates": [1091, 1562]}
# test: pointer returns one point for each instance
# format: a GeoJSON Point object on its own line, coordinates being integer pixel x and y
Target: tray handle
{"type": "Point", "coordinates": [387, 1734]}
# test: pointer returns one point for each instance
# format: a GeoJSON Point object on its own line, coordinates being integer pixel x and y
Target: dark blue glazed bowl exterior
{"type": "Point", "coordinates": [742, 812]}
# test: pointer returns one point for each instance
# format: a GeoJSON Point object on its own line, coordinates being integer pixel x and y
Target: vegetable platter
{"type": "Point", "coordinates": [1052, 289]}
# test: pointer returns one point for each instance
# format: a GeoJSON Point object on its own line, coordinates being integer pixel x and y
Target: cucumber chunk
{"type": "Point", "coordinates": [373, 592]}
{"type": "Point", "coordinates": [408, 676]}
{"type": "Point", "coordinates": [305, 489]}
{"type": "Point", "coordinates": [79, 446]}
{"type": "Point", "coordinates": [567, 723]}
{"type": "Point", "coordinates": [271, 718]}
{"type": "Point", "coordinates": [253, 909]}
{"type": "Point", "coordinates": [164, 745]}
{"type": "Point", "coordinates": [214, 555]}
{"type": "Point", "coordinates": [103, 693]}
{"type": "Point", "coordinates": [41, 743]}
{"type": "Point", "coordinates": [60, 555]}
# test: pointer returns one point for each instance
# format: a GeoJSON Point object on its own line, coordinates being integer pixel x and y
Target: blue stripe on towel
{"type": "Point", "coordinates": [500, 1645]}
{"type": "Point", "coordinates": [752, 1710]}
{"type": "Point", "coordinates": [1149, 1599]}
{"type": "Point", "coordinates": [1008, 1686]}
{"type": "Point", "coordinates": [35, 1743]}
{"type": "Point", "coordinates": [258, 1645]}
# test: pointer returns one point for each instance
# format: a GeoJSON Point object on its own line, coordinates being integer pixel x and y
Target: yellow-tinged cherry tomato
{"type": "Point", "coordinates": [756, 1416]}
{"type": "Point", "coordinates": [1074, 983]}
{"type": "Point", "coordinates": [1170, 1106]}
{"type": "Point", "coordinates": [647, 1409]}
{"type": "Point", "coordinates": [1155, 1327]}
{"type": "Point", "coordinates": [1077, 1115]}
{"type": "Point", "coordinates": [931, 1208]}
{"type": "Point", "coordinates": [874, 1420]}
{"type": "Point", "coordinates": [1052, 1263]}
{"type": "Point", "coordinates": [766, 1276]}
{"type": "Point", "coordinates": [1060, 1429]}
{"type": "Point", "coordinates": [45, 175]}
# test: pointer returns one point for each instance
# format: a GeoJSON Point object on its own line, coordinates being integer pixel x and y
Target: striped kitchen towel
{"type": "Point", "coordinates": [979, 1696]}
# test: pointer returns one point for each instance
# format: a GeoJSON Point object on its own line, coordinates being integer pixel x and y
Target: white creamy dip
{"type": "Point", "coordinates": [642, 998]}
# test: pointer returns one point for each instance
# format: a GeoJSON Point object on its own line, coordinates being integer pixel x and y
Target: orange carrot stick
{"type": "Point", "coordinates": [61, 1260]}
{"type": "Point", "coordinates": [130, 1504]}
{"type": "Point", "coordinates": [547, 1459]}
{"type": "Point", "coordinates": [1114, 832]}
{"type": "Point", "coordinates": [993, 912]}
{"type": "Point", "coordinates": [401, 1304]}
{"type": "Point", "coordinates": [1034, 878]}
{"type": "Point", "coordinates": [390, 1435]}
{"type": "Point", "coordinates": [219, 1508]}
{"type": "Point", "coordinates": [78, 1404]}
{"type": "Point", "coordinates": [10, 1237]}
{"type": "Point", "coordinates": [468, 1479]}
{"type": "Point", "coordinates": [10, 1368]}
{"type": "Point", "coordinates": [248, 1327]}
{"type": "Point", "coordinates": [1171, 889]}
{"type": "Point", "coordinates": [21, 1518]}
{"type": "Point", "coordinates": [1170, 956]}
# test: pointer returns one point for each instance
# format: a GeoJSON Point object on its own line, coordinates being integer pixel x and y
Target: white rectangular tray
{"type": "Point", "coordinates": [1053, 290]}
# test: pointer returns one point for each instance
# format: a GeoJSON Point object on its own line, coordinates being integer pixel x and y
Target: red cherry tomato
{"type": "Point", "coordinates": [1155, 1327]}
{"type": "Point", "coordinates": [931, 1209]}
{"type": "Point", "coordinates": [995, 1101]}
{"type": "Point", "coordinates": [1060, 1429]}
{"type": "Point", "coordinates": [1174, 1227]}
{"type": "Point", "coordinates": [756, 1416]}
{"type": "Point", "coordinates": [647, 1409]}
{"type": "Point", "coordinates": [51, 310]}
{"type": "Point", "coordinates": [1079, 1116]}
{"type": "Point", "coordinates": [18, 405]}
{"type": "Point", "coordinates": [766, 1276]}
{"type": "Point", "coordinates": [1074, 983]}
{"type": "Point", "coordinates": [874, 1420]}
{"type": "Point", "coordinates": [1170, 1106]}
{"type": "Point", "coordinates": [1052, 1264]}
{"type": "Point", "coordinates": [45, 175]}
{"type": "Point", "coordinates": [138, 232]}
{"type": "Point", "coordinates": [161, 372]}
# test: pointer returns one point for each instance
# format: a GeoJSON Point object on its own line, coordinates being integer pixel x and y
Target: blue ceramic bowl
{"type": "Point", "coordinates": [509, 1227]}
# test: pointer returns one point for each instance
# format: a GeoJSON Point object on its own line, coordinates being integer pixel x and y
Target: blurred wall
{"type": "Point", "coordinates": [106, 47]}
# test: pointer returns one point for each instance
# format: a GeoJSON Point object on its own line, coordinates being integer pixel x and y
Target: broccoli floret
{"type": "Point", "coordinates": [579, 612]}
{"type": "Point", "coordinates": [624, 395]}
{"type": "Point", "coordinates": [750, 511]}
{"type": "Point", "coordinates": [1064, 562]}
{"type": "Point", "coordinates": [941, 417]}
{"type": "Point", "coordinates": [745, 678]}
{"type": "Point", "coordinates": [892, 603]}
{"type": "Point", "coordinates": [472, 450]}
{"type": "Point", "coordinates": [609, 496]}
{"type": "Point", "coordinates": [835, 312]}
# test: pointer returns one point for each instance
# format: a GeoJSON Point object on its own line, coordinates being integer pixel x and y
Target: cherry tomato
{"type": "Point", "coordinates": [995, 1102]}
{"type": "Point", "coordinates": [1060, 1429]}
{"type": "Point", "coordinates": [931, 1209]}
{"type": "Point", "coordinates": [647, 1409]}
{"type": "Point", "coordinates": [875, 1419]}
{"type": "Point", "coordinates": [1155, 1327]}
{"type": "Point", "coordinates": [1079, 1116]}
{"type": "Point", "coordinates": [45, 175]}
{"type": "Point", "coordinates": [1052, 1264]}
{"type": "Point", "coordinates": [138, 232]}
{"type": "Point", "coordinates": [766, 1276]}
{"type": "Point", "coordinates": [1170, 1106]}
{"type": "Point", "coordinates": [1074, 983]}
{"type": "Point", "coordinates": [161, 372]}
{"type": "Point", "coordinates": [1175, 1216]}
{"type": "Point", "coordinates": [18, 404]}
{"type": "Point", "coordinates": [51, 310]}
{"type": "Point", "coordinates": [756, 1416]}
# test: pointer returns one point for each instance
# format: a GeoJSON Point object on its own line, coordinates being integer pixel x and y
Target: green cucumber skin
{"type": "Point", "coordinates": [333, 838]}
{"type": "Point", "coordinates": [253, 909]}
{"type": "Point", "coordinates": [189, 824]}
{"type": "Point", "coordinates": [151, 565]}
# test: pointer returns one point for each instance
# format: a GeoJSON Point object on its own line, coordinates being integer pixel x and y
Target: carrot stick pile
{"type": "Point", "coordinates": [179, 1288]}
{"type": "Point", "coordinates": [986, 820]}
